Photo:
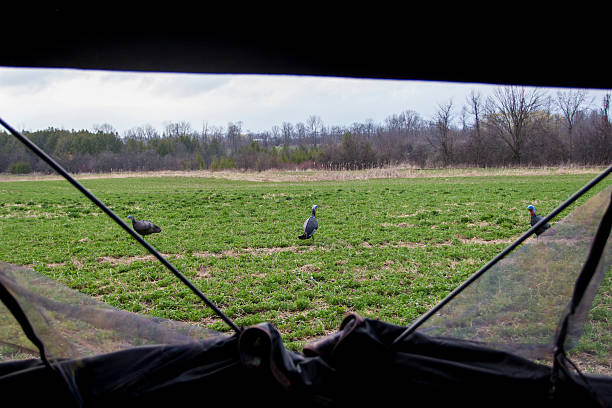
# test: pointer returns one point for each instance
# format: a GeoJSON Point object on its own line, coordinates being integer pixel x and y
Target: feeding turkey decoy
{"type": "Point", "coordinates": [310, 225]}
{"type": "Point", "coordinates": [144, 227]}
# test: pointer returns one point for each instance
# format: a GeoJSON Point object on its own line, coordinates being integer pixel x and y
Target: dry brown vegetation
{"type": "Point", "coordinates": [323, 175]}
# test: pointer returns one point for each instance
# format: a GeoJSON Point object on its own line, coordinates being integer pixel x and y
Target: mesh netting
{"type": "Point", "coordinates": [516, 306]}
{"type": "Point", "coordinates": [73, 325]}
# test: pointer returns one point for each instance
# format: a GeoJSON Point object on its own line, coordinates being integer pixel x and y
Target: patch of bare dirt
{"type": "Point", "coordinates": [207, 254]}
{"type": "Point", "coordinates": [254, 251]}
{"type": "Point", "coordinates": [309, 268]}
{"type": "Point", "coordinates": [55, 264]}
{"type": "Point", "coordinates": [127, 260]}
{"type": "Point", "coordinates": [477, 240]}
{"type": "Point", "coordinates": [203, 272]}
{"type": "Point", "coordinates": [30, 214]}
{"type": "Point", "coordinates": [400, 225]}
{"type": "Point", "coordinates": [407, 245]}
{"type": "Point", "coordinates": [478, 224]}
{"type": "Point", "coordinates": [131, 259]}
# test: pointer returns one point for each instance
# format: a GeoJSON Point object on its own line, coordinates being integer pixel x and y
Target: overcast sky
{"type": "Point", "coordinates": [34, 99]}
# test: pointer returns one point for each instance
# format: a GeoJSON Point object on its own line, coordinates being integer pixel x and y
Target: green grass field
{"type": "Point", "coordinates": [386, 248]}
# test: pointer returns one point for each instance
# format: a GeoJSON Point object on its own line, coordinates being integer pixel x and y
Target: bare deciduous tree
{"type": "Point", "coordinates": [287, 130]}
{"type": "Point", "coordinates": [603, 131]}
{"type": "Point", "coordinates": [509, 114]}
{"type": "Point", "coordinates": [233, 135]}
{"type": "Point", "coordinates": [176, 129]}
{"type": "Point", "coordinates": [275, 131]}
{"type": "Point", "coordinates": [442, 136]}
{"type": "Point", "coordinates": [150, 132]}
{"type": "Point", "coordinates": [301, 131]}
{"type": "Point", "coordinates": [475, 108]}
{"type": "Point", "coordinates": [104, 128]}
{"type": "Point", "coordinates": [570, 103]}
{"type": "Point", "coordinates": [314, 124]}
{"type": "Point", "coordinates": [204, 136]}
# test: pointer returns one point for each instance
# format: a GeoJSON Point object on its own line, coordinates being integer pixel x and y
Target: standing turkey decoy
{"type": "Point", "coordinates": [535, 219]}
{"type": "Point", "coordinates": [144, 227]}
{"type": "Point", "coordinates": [310, 225]}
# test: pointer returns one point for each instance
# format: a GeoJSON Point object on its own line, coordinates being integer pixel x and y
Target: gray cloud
{"type": "Point", "coordinates": [36, 99]}
{"type": "Point", "coordinates": [30, 80]}
{"type": "Point", "coordinates": [166, 84]}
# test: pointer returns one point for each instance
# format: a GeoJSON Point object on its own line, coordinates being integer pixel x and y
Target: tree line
{"type": "Point", "coordinates": [515, 126]}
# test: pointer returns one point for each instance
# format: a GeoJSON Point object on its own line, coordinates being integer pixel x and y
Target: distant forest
{"type": "Point", "coordinates": [516, 126]}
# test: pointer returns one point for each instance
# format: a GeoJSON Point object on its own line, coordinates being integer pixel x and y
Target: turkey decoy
{"type": "Point", "coordinates": [144, 227]}
{"type": "Point", "coordinates": [310, 225]}
{"type": "Point", "coordinates": [535, 219]}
